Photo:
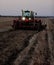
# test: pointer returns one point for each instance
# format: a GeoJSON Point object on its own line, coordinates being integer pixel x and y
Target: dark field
{"type": "Point", "coordinates": [26, 47]}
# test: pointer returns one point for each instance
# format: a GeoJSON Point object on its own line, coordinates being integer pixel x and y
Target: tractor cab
{"type": "Point", "coordinates": [27, 15]}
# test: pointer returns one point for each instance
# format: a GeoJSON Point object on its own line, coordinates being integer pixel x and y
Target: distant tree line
{"type": "Point", "coordinates": [8, 16]}
{"type": "Point", "coordinates": [20, 16]}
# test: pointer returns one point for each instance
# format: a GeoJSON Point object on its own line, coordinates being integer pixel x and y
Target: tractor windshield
{"type": "Point", "coordinates": [27, 14]}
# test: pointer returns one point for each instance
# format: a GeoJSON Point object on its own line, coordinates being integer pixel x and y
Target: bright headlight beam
{"type": "Point", "coordinates": [29, 18]}
{"type": "Point", "coordinates": [23, 18]}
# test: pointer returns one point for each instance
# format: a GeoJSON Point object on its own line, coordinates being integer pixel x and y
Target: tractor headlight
{"type": "Point", "coordinates": [23, 18]}
{"type": "Point", "coordinates": [29, 18]}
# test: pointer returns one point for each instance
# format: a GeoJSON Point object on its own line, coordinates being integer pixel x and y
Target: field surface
{"type": "Point", "coordinates": [26, 47]}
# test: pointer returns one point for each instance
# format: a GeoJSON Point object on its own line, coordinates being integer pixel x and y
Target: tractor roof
{"type": "Point", "coordinates": [26, 11]}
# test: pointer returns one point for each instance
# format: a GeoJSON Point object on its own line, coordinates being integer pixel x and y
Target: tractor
{"type": "Point", "coordinates": [27, 21]}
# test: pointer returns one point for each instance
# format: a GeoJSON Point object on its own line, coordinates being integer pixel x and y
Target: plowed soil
{"type": "Point", "coordinates": [27, 47]}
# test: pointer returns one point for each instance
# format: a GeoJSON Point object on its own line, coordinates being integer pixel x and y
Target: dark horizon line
{"type": "Point", "coordinates": [20, 16]}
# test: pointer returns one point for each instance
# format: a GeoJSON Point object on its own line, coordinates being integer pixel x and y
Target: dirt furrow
{"type": "Point", "coordinates": [25, 52]}
{"type": "Point", "coordinates": [14, 45]}
{"type": "Point", "coordinates": [28, 57]}
{"type": "Point", "coordinates": [16, 52]}
{"type": "Point", "coordinates": [50, 39]}
{"type": "Point", "coordinates": [35, 54]}
{"type": "Point", "coordinates": [41, 55]}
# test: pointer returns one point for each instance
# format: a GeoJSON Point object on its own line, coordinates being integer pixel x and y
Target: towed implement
{"type": "Point", "coordinates": [28, 21]}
